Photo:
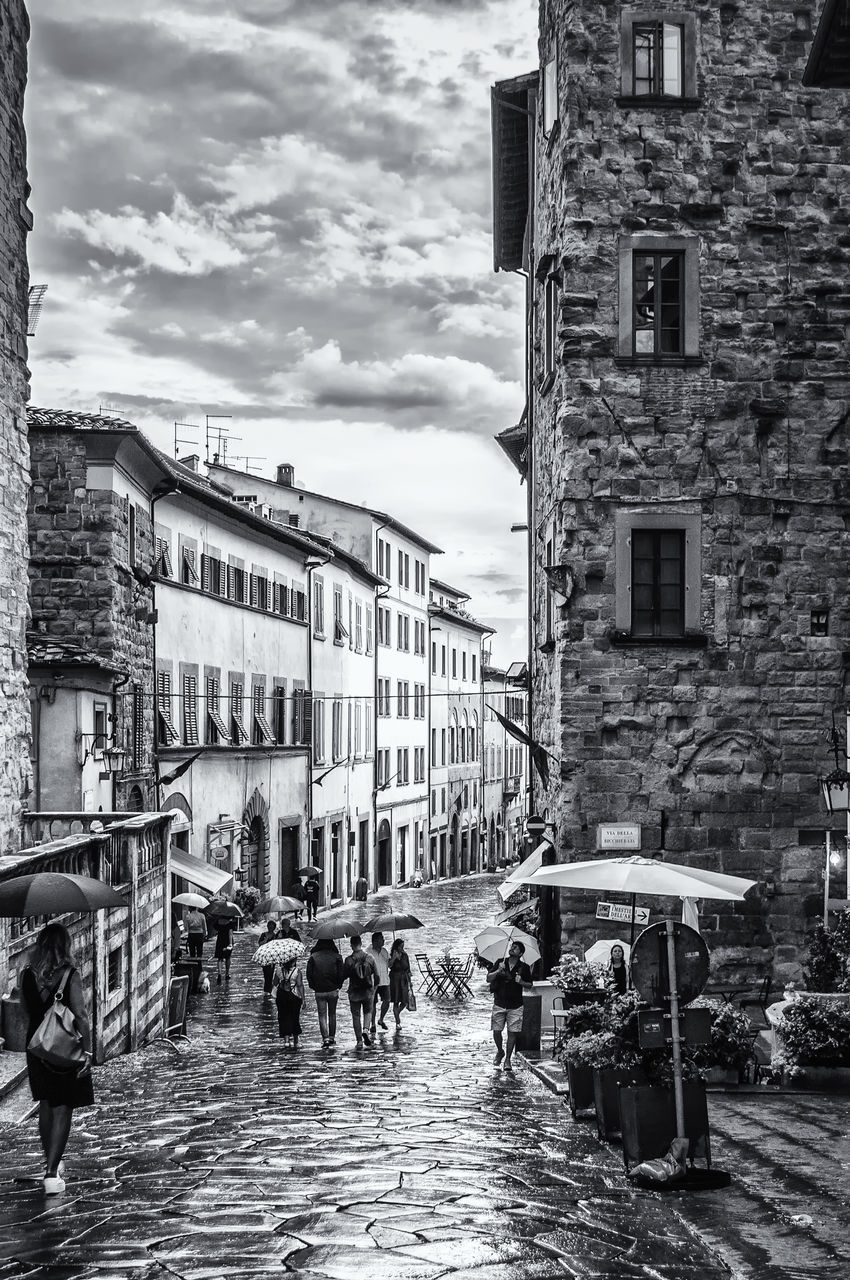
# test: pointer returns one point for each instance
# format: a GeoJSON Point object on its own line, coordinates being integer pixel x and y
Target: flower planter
{"type": "Point", "coordinates": [722, 1075]}
{"type": "Point", "coordinates": [606, 1096]}
{"type": "Point", "coordinates": [580, 1080]}
{"type": "Point", "coordinates": [835, 1079]}
{"type": "Point", "coordinates": [589, 995]}
{"type": "Point", "coordinates": [648, 1121]}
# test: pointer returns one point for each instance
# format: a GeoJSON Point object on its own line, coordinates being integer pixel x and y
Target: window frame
{"type": "Point", "coordinates": [689, 522]}
{"type": "Point", "coordinates": [629, 247]}
{"type": "Point", "coordinates": [550, 115]}
{"type": "Point", "coordinates": [631, 19]}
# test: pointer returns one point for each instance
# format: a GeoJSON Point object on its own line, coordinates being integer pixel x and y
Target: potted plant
{"type": "Point", "coordinates": [578, 1022]}
{"type": "Point", "coordinates": [578, 981]}
{"type": "Point", "coordinates": [730, 1052]}
{"type": "Point", "coordinates": [814, 1043]}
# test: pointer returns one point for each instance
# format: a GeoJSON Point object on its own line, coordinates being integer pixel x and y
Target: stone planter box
{"type": "Point", "coordinates": [830, 1079]}
{"type": "Point", "coordinates": [722, 1075]}
{"type": "Point", "coordinates": [648, 1122]}
{"type": "Point", "coordinates": [580, 1080]}
{"type": "Point", "coordinates": [606, 1096]}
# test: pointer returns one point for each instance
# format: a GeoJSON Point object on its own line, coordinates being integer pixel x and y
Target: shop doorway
{"type": "Point", "coordinates": [290, 842]}
{"type": "Point", "coordinates": [385, 853]}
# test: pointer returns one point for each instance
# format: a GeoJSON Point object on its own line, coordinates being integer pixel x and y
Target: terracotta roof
{"type": "Point", "coordinates": [514, 442]}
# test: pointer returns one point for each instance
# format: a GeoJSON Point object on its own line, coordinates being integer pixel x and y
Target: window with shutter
{"type": "Point", "coordinates": [318, 730]}
{"type": "Point", "coordinates": [279, 711]}
{"type": "Point", "coordinates": [262, 730]}
{"type": "Point", "coordinates": [336, 730]}
{"type": "Point", "coordinates": [190, 710]}
{"type": "Point", "coordinates": [358, 728]}
{"type": "Point", "coordinates": [168, 733]}
{"type": "Point", "coordinates": [217, 730]}
{"type": "Point", "coordinates": [138, 727]}
{"type": "Point", "coordinates": [162, 559]}
{"type": "Point", "coordinates": [189, 574]}
{"type": "Point", "coordinates": [237, 720]}
{"type": "Point", "coordinates": [368, 630]}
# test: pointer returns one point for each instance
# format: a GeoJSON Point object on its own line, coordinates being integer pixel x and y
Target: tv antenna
{"type": "Point", "coordinates": [252, 461]}
{"type": "Point", "coordinates": [178, 440]}
{"type": "Point", "coordinates": [218, 437]}
{"type": "Point", "coordinates": [35, 301]}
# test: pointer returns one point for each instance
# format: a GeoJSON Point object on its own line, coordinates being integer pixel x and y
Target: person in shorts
{"type": "Point", "coordinates": [507, 982]}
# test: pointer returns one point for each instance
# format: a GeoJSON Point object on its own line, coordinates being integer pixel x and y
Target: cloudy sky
{"type": "Point", "coordinates": [280, 210]}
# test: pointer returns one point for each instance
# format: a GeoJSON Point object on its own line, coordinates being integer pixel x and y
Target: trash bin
{"type": "Point", "coordinates": [191, 966]}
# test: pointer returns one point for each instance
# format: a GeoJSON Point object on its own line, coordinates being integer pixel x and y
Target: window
{"type": "Point", "coordinates": [211, 574]}
{"type": "Point", "coordinates": [262, 730]}
{"type": "Point", "coordinates": [434, 657]}
{"type": "Point", "coordinates": [101, 729]}
{"type": "Point", "coordinates": [299, 604]}
{"type": "Point", "coordinates": [657, 588]}
{"type": "Point", "coordinates": [419, 764]}
{"type": "Point", "coordinates": [383, 696]}
{"type": "Point", "coordinates": [279, 711]}
{"type": "Point", "coordinates": [433, 802]}
{"type": "Point", "coordinates": [550, 327]}
{"type": "Point", "coordinates": [443, 666]}
{"type": "Point", "coordinates": [167, 732]}
{"type": "Point", "coordinates": [162, 558]}
{"type": "Point", "coordinates": [403, 706]}
{"type": "Point", "coordinates": [114, 969]}
{"type": "Point", "coordinates": [358, 728]}
{"type": "Point", "coordinates": [188, 572]}
{"type": "Point", "coordinates": [368, 629]}
{"type": "Point", "coordinates": [259, 591]}
{"type": "Point", "coordinates": [318, 730]}
{"type": "Point", "coordinates": [820, 622]}
{"type": "Point", "coordinates": [442, 746]}
{"type": "Point", "coordinates": [319, 607]}
{"type": "Point", "coordinates": [419, 702]}
{"type": "Point", "coordinates": [216, 728]}
{"type": "Point", "coordinates": [657, 57]}
{"type": "Point", "coordinates": [404, 633]}
{"type": "Point", "coordinates": [658, 298]}
{"type": "Point", "coordinates": [402, 767]}
{"type": "Point", "coordinates": [463, 665]}
{"type": "Point", "coordinates": [418, 636]}
{"type": "Point", "coordinates": [237, 719]}
{"type": "Point", "coordinates": [302, 718]}
{"type": "Point", "coordinates": [383, 558]}
{"type": "Point", "coordinates": [367, 716]}
{"type": "Point", "coordinates": [550, 95]}
{"type": "Point", "coordinates": [383, 765]}
{"type": "Point", "coordinates": [403, 569]}
{"type": "Point", "coordinates": [419, 576]}
{"type": "Point", "coordinates": [474, 672]}
{"type": "Point", "coordinates": [237, 584]}
{"type": "Point", "coordinates": [340, 631]}
{"type": "Point", "coordinates": [434, 745]}
{"type": "Point", "coordinates": [454, 664]}
{"type": "Point", "coordinates": [358, 627]}
{"type": "Point", "coordinates": [281, 599]}
{"type": "Point", "coordinates": [442, 799]}
{"type": "Point", "coordinates": [384, 623]}
{"type": "Point", "coordinates": [190, 710]}
{"type": "Point", "coordinates": [336, 730]}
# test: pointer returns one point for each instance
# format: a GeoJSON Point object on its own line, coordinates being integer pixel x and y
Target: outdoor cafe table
{"type": "Point", "coordinates": [448, 977]}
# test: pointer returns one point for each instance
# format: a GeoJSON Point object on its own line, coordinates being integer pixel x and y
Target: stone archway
{"type": "Point", "coordinates": [385, 853]}
{"type": "Point", "coordinates": [255, 843]}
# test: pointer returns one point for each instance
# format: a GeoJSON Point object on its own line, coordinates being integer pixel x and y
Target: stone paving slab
{"type": "Point", "coordinates": [416, 1158]}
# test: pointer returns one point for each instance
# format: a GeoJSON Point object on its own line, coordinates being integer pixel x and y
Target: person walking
{"type": "Point", "coordinates": [196, 933]}
{"type": "Point", "coordinates": [325, 976]}
{"type": "Point", "coordinates": [290, 998]}
{"type": "Point", "coordinates": [507, 982]}
{"type": "Point", "coordinates": [223, 946]}
{"type": "Point", "coordinates": [296, 890]}
{"type": "Point", "coordinates": [400, 981]}
{"type": "Point", "coordinates": [362, 977]}
{"type": "Point", "coordinates": [58, 1093]}
{"type": "Point", "coordinates": [616, 972]}
{"type": "Point", "coordinates": [378, 952]}
{"type": "Point", "coordinates": [268, 969]}
{"type": "Point", "coordinates": [311, 896]}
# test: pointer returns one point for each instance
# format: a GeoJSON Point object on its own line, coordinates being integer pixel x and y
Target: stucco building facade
{"type": "Point", "coordinates": [679, 201]}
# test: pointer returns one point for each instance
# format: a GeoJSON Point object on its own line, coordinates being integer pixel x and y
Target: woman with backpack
{"type": "Point", "coordinates": [289, 999]}
{"type": "Point", "coordinates": [325, 975]}
{"type": "Point", "coordinates": [51, 970]}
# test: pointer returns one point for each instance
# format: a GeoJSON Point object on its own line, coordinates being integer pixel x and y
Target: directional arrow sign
{"type": "Point", "coordinates": [617, 911]}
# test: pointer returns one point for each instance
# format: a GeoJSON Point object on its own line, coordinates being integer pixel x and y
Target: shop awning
{"type": "Point", "coordinates": [532, 863]}
{"type": "Point", "coordinates": [199, 873]}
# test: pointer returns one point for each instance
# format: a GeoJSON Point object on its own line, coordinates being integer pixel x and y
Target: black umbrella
{"type": "Point", "coordinates": [220, 909]}
{"type": "Point", "coordinates": [309, 871]}
{"type": "Point", "coordinates": [47, 893]}
{"type": "Point", "coordinates": [395, 923]}
{"type": "Point", "coordinates": [336, 929]}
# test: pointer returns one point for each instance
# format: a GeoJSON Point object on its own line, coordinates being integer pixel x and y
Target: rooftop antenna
{"type": "Point", "coordinates": [252, 461]}
{"type": "Point", "coordinates": [219, 436]}
{"type": "Point", "coordinates": [35, 301]}
{"type": "Point", "coordinates": [178, 440]}
{"type": "Point", "coordinates": [108, 409]}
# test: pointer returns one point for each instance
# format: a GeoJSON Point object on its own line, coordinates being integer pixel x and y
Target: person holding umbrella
{"type": "Point", "coordinates": [289, 1000]}
{"type": "Point", "coordinates": [58, 1093]}
{"type": "Point", "coordinates": [268, 969]}
{"type": "Point", "coordinates": [507, 982]}
{"type": "Point", "coordinates": [196, 932]}
{"type": "Point", "coordinates": [311, 896]}
{"type": "Point", "coordinates": [224, 946]}
{"type": "Point", "coordinates": [325, 976]}
{"type": "Point", "coordinates": [378, 952]}
{"type": "Point", "coordinates": [359, 969]}
{"type": "Point", "coordinates": [400, 983]}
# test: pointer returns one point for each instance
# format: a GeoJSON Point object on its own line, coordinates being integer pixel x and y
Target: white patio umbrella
{"type": "Point", "coordinates": [494, 943]}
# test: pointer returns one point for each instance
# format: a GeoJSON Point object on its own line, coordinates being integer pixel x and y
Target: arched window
{"type": "Point", "coordinates": [474, 737]}
{"type": "Point", "coordinates": [464, 737]}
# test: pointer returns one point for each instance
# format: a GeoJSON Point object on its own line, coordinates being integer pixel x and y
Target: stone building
{"type": "Point", "coordinates": [678, 200]}
{"type": "Point", "coordinates": [15, 220]}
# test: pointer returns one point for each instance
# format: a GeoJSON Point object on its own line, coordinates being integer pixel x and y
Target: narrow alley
{"type": "Point", "coordinates": [415, 1158]}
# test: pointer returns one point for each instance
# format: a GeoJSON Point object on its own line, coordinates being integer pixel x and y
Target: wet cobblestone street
{"type": "Point", "coordinates": [416, 1158]}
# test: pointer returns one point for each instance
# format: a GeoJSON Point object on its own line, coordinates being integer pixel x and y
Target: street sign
{"type": "Point", "coordinates": [648, 963]}
{"type": "Point", "coordinates": [655, 1027]}
{"type": "Point", "coordinates": [619, 911]}
{"type": "Point", "coordinates": [618, 835]}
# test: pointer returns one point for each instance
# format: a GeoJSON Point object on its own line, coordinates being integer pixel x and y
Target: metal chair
{"type": "Point", "coordinates": [558, 1012]}
{"type": "Point", "coordinates": [433, 981]}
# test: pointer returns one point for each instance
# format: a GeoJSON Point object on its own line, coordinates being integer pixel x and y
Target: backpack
{"type": "Point", "coordinates": [362, 968]}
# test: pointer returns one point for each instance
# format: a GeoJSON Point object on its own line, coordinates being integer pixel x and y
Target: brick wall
{"type": "Point", "coordinates": [82, 586]}
{"type": "Point", "coordinates": [713, 746]}
{"type": "Point", "coordinates": [14, 390]}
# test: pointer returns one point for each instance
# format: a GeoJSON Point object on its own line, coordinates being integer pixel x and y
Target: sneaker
{"type": "Point", "coordinates": [381, 1023]}
{"type": "Point", "coordinates": [359, 1044]}
{"type": "Point", "coordinates": [509, 1066]}
{"type": "Point", "coordinates": [53, 1186]}
{"type": "Point", "coordinates": [498, 1057]}
{"type": "Point", "coordinates": [331, 1043]}
{"type": "Point", "coordinates": [367, 1039]}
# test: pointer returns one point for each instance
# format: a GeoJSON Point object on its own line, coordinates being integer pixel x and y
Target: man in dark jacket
{"type": "Point", "coordinates": [311, 896]}
{"type": "Point", "coordinates": [362, 980]}
{"type": "Point", "coordinates": [325, 976]}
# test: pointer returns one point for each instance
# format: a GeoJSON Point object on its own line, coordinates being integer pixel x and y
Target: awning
{"type": "Point", "coordinates": [504, 917]}
{"type": "Point", "coordinates": [532, 863]}
{"type": "Point", "coordinates": [199, 873]}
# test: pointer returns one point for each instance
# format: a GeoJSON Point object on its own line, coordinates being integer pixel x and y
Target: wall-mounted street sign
{"type": "Point", "coordinates": [620, 911]}
{"type": "Point", "coordinates": [618, 835]}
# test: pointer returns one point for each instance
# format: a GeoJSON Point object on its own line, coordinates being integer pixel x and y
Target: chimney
{"type": "Point", "coordinates": [286, 474]}
{"type": "Point", "coordinates": [192, 462]}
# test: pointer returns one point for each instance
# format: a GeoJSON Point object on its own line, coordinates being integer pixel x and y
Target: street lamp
{"type": "Point", "coordinates": [835, 787]}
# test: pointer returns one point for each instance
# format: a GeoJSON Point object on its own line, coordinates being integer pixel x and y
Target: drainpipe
{"type": "Point", "coordinates": [311, 563]}
{"type": "Point", "coordinates": [381, 593]}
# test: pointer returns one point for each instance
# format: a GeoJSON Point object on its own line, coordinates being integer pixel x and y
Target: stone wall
{"type": "Point", "coordinates": [82, 586]}
{"type": "Point", "coordinates": [712, 744]}
{"type": "Point", "coordinates": [15, 221]}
